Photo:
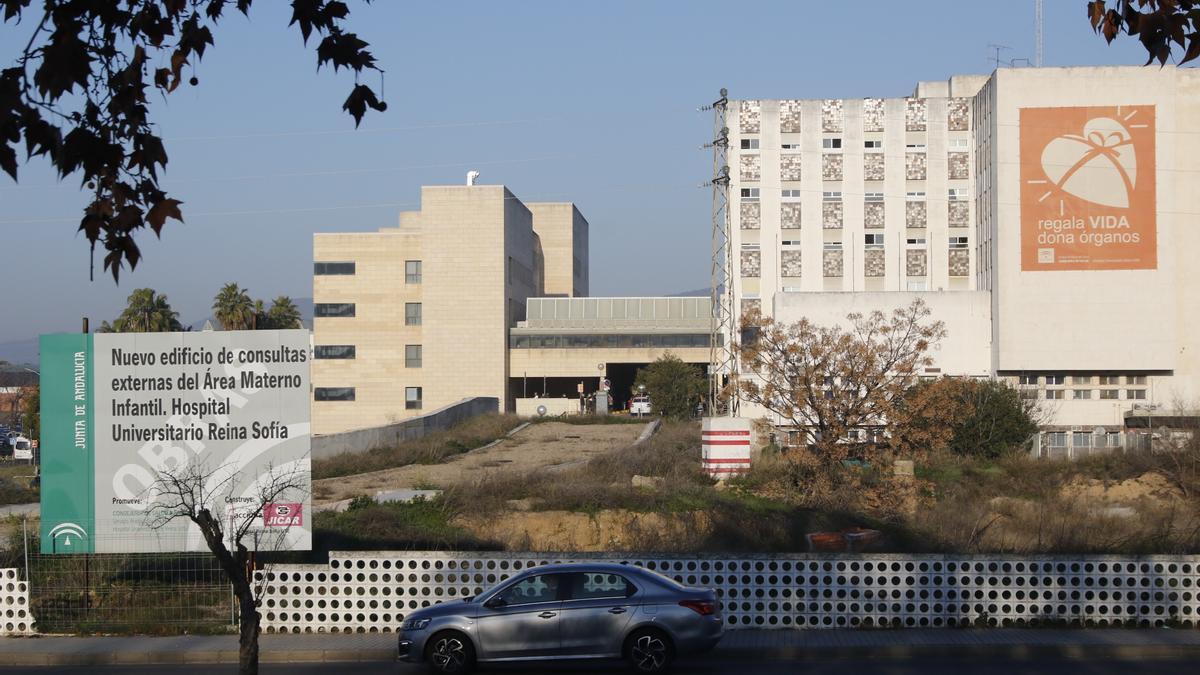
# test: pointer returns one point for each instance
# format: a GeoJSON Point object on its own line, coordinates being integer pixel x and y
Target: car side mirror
{"type": "Point", "coordinates": [495, 602]}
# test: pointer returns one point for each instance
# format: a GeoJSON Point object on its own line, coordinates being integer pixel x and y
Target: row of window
{"type": "Point", "coordinates": [412, 270]}
{"type": "Point", "coordinates": [873, 241]}
{"type": "Point", "coordinates": [412, 311]}
{"type": "Point", "coordinates": [752, 194]}
{"type": "Point", "coordinates": [413, 354]}
{"type": "Point", "coordinates": [412, 395]}
{"type": "Point", "coordinates": [835, 143]}
{"type": "Point", "coordinates": [1055, 380]}
{"type": "Point", "coordinates": [607, 341]}
{"type": "Point", "coordinates": [1084, 394]}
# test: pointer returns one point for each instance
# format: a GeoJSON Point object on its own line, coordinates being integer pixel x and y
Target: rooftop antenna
{"type": "Point", "coordinates": [1037, 33]}
{"type": "Point", "coordinates": [995, 59]}
{"type": "Point", "coordinates": [472, 176]}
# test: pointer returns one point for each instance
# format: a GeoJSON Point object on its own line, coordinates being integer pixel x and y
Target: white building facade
{"type": "Point", "coordinates": [1046, 215]}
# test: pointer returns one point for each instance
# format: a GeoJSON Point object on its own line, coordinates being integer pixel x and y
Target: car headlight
{"type": "Point", "coordinates": [416, 624]}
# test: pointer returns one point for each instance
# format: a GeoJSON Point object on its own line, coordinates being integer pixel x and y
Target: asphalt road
{"type": "Point", "coordinates": [918, 666]}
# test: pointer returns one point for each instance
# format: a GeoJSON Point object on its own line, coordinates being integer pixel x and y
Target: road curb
{"type": "Point", "coordinates": [1019, 652]}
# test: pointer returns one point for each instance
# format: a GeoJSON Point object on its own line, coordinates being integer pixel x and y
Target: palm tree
{"type": "Point", "coordinates": [260, 320]}
{"type": "Point", "coordinates": [233, 308]}
{"type": "Point", "coordinates": [284, 314]}
{"type": "Point", "coordinates": [146, 312]}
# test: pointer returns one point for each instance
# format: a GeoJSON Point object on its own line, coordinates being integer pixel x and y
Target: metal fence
{"type": "Point", "coordinates": [373, 591]}
{"type": "Point", "coordinates": [138, 592]}
{"type": "Point", "coordinates": [1080, 444]}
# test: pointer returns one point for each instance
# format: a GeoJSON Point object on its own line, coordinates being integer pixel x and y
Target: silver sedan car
{"type": "Point", "coordinates": [570, 611]}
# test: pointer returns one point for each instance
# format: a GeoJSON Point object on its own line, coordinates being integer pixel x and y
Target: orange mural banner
{"type": "Point", "coordinates": [1088, 188]}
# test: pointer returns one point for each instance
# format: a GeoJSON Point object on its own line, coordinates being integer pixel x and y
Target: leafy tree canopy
{"type": "Point", "coordinates": [147, 312]}
{"type": "Point", "coordinates": [675, 387]}
{"type": "Point", "coordinates": [972, 418]}
{"type": "Point", "coordinates": [78, 95]}
{"type": "Point", "coordinates": [1160, 25]}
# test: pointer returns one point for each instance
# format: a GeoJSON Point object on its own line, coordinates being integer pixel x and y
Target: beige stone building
{"type": "Point", "coordinates": [1046, 214]}
{"type": "Point", "coordinates": [415, 317]}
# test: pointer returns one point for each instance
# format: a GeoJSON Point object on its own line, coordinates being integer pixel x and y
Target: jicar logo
{"type": "Point", "coordinates": [67, 535]}
{"type": "Point", "coordinates": [282, 515]}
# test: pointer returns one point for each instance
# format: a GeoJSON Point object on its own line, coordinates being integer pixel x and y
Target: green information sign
{"type": "Point", "coordinates": [68, 444]}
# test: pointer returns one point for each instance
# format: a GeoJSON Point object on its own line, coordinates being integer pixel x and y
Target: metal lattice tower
{"type": "Point", "coordinates": [722, 359]}
{"type": "Point", "coordinates": [1037, 33]}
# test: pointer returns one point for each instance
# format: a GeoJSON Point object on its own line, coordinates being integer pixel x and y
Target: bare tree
{"type": "Point", "coordinates": [831, 380]}
{"type": "Point", "coordinates": [196, 493]}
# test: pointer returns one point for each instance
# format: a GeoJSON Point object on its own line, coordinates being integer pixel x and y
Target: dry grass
{"type": "Point", "coordinates": [431, 449]}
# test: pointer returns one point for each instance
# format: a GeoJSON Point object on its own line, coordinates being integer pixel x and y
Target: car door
{"type": "Point", "coordinates": [595, 611]}
{"type": "Point", "coordinates": [522, 619]}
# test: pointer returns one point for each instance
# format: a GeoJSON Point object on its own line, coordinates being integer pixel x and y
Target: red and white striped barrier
{"type": "Point", "coordinates": [725, 446]}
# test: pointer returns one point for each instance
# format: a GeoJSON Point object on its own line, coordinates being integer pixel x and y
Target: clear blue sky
{"type": "Point", "coordinates": [589, 102]}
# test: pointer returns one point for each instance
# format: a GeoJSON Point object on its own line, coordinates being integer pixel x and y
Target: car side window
{"type": "Point", "coordinates": [538, 588]}
{"type": "Point", "coordinates": [596, 585]}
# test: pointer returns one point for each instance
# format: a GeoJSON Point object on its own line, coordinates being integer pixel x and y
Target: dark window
{"type": "Point", "coordinates": [333, 309]}
{"type": "Point", "coordinates": [412, 398]}
{"type": "Point", "coordinates": [412, 314]}
{"type": "Point", "coordinates": [412, 271]}
{"type": "Point", "coordinates": [539, 588]}
{"type": "Point", "coordinates": [333, 393]}
{"type": "Point", "coordinates": [333, 268]}
{"type": "Point", "coordinates": [333, 352]}
{"type": "Point", "coordinates": [412, 356]}
{"type": "Point", "coordinates": [595, 585]}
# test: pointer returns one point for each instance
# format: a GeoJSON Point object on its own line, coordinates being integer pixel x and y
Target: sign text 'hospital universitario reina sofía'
{"type": "Point", "coordinates": [121, 410]}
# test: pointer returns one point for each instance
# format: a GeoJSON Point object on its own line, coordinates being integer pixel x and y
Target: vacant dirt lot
{"type": "Point", "coordinates": [538, 447]}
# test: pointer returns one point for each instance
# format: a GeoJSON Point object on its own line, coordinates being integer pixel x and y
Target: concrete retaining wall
{"type": "Point", "coordinates": [362, 440]}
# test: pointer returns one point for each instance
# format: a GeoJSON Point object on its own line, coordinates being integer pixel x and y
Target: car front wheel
{"type": "Point", "coordinates": [450, 652]}
{"type": "Point", "coordinates": [649, 651]}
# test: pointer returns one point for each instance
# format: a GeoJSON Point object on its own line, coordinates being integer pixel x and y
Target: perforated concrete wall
{"type": "Point", "coordinates": [372, 592]}
{"type": "Point", "coordinates": [14, 604]}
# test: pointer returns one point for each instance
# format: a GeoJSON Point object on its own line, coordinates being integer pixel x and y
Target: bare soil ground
{"type": "Point", "coordinates": [606, 530]}
{"type": "Point", "coordinates": [544, 446]}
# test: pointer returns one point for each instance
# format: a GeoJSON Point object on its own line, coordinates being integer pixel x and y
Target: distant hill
{"type": "Point", "coordinates": [698, 293]}
{"type": "Point", "coordinates": [20, 351]}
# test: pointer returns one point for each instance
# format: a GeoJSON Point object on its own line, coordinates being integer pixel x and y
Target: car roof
{"type": "Point", "coordinates": [581, 567]}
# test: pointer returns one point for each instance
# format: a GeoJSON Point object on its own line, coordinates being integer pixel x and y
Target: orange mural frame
{"type": "Point", "coordinates": [1088, 182]}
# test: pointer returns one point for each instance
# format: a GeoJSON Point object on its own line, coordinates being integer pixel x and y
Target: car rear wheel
{"type": "Point", "coordinates": [649, 651]}
{"type": "Point", "coordinates": [450, 652]}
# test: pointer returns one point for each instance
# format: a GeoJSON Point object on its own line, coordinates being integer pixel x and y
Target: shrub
{"type": "Point", "coordinates": [675, 387]}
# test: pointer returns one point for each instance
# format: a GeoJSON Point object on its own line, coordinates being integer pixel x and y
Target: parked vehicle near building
{"type": "Point", "coordinates": [567, 611]}
{"type": "Point", "coordinates": [640, 405]}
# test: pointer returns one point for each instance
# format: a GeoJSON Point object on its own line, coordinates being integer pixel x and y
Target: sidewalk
{"type": "Point", "coordinates": [782, 644]}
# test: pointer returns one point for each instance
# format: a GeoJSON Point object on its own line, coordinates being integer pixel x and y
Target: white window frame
{"type": "Point", "coordinates": [789, 195]}
{"type": "Point", "coordinates": [916, 242]}
{"type": "Point", "coordinates": [873, 240]}
{"type": "Point", "coordinates": [832, 246]}
{"type": "Point", "coordinates": [914, 147]}
{"type": "Point", "coordinates": [872, 196]}
{"type": "Point", "coordinates": [873, 144]}
{"type": "Point", "coordinates": [790, 243]}
{"type": "Point", "coordinates": [958, 243]}
{"type": "Point", "coordinates": [831, 196]}
{"type": "Point", "coordinates": [958, 144]}
{"type": "Point", "coordinates": [831, 144]}
{"type": "Point", "coordinates": [749, 194]}
{"type": "Point", "coordinates": [749, 144]}
{"type": "Point", "coordinates": [790, 147]}
{"type": "Point", "coordinates": [958, 194]}
{"type": "Point", "coordinates": [917, 196]}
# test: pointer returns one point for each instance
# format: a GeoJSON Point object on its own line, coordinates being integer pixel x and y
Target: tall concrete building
{"type": "Point", "coordinates": [415, 317]}
{"type": "Point", "coordinates": [1045, 214]}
